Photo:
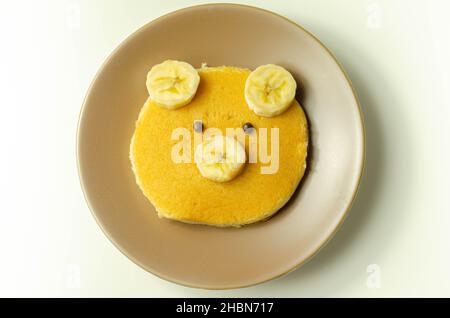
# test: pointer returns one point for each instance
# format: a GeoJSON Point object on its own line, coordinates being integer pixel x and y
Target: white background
{"type": "Point", "coordinates": [395, 51]}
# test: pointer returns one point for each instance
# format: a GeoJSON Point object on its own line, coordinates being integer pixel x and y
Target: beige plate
{"type": "Point", "coordinates": [202, 256]}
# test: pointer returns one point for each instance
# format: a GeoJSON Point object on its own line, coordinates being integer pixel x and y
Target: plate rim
{"type": "Point", "coordinates": [362, 154]}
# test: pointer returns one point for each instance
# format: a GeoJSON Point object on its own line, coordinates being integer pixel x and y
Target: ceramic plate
{"type": "Point", "coordinates": [202, 256]}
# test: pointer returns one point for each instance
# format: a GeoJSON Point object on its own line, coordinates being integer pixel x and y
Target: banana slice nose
{"type": "Point", "coordinates": [220, 158]}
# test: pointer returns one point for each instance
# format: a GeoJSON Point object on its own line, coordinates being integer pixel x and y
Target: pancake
{"type": "Point", "coordinates": [179, 192]}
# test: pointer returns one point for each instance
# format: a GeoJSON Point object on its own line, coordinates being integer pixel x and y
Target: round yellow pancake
{"type": "Point", "coordinates": [178, 191]}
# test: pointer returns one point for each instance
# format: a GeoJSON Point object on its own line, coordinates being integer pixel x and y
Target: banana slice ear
{"type": "Point", "coordinates": [172, 84]}
{"type": "Point", "coordinates": [269, 90]}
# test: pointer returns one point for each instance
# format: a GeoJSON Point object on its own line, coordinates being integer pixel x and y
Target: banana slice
{"type": "Point", "coordinates": [220, 158]}
{"type": "Point", "coordinates": [172, 84]}
{"type": "Point", "coordinates": [270, 90]}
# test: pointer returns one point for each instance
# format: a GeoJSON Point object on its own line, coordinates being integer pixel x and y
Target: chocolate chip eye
{"type": "Point", "coordinates": [248, 128]}
{"type": "Point", "coordinates": [198, 126]}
